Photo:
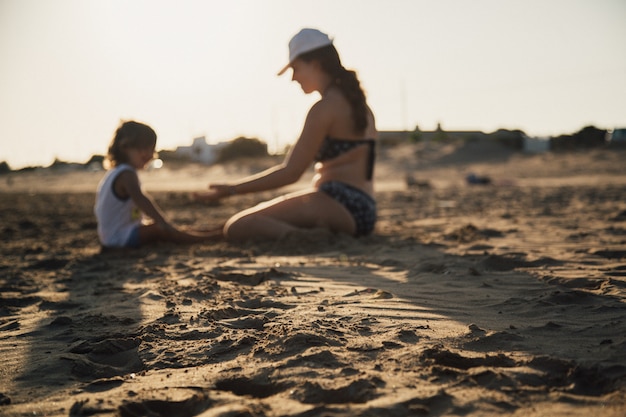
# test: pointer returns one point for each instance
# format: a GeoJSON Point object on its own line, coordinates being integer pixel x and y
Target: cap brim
{"type": "Point", "coordinates": [282, 71]}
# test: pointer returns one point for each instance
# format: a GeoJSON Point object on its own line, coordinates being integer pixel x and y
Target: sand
{"type": "Point", "coordinates": [505, 298]}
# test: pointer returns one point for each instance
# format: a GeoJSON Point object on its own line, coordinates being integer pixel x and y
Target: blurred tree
{"type": "Point", "coordinates": [587, 137]}
{"type": "Point", "coordinates": [416, 135]}
{"type": "Point", "coordinates": [4, 167]}
{"type": "Point", "coordinates": [241, 148]}
{"type": "Point", "coordinates": [509, 138]}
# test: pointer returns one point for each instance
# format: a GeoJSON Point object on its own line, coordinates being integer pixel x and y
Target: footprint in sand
{"type": "Point", "coordinates": [49, 264]}
{"type": "Point", "coordinates": [454, 360]}
{"type": "Point", "coordinates": [511, 261]}
{"type": "Point", "coordinates": [250, 322]}
{"type": "Point", "coordinates": [252, 279]}
{"type": "Point", "coordinates": [372, 292]}
{"type": "Point", "coordinates": [9, 325]}
{"type": "Point", "coordinates": [257, 388]}
{"type": "Point", "coordinates": [617, 271]}
{"type": "Point", "coordinates": [610, 254]}
{"type": "Point", "coordinates": [359, 391]}
{"type": "Point", "coordinates": [192, 406]}
{"type": "Point", "coordinates": [323, 359]}
{"type": "Point", "coordinates": [105, 359]}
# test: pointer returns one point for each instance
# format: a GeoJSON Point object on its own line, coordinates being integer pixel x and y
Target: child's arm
{"type": "Point", "coordinates": [127, 184]}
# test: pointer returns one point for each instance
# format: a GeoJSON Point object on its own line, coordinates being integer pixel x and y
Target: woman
{"type": "Point", "coordinates": [339, 135]}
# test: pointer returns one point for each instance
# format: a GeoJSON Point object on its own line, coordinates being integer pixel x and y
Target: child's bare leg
{"type": "Point", "coordinates": [154, 233]}
{"type": "Point", "coordinates": [180, 236]}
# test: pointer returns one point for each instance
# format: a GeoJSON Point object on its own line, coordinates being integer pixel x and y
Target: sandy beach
{"type": "Point", "coordinates": [501, 298]}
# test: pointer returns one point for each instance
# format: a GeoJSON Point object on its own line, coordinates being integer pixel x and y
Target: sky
{"type": "Point", "coordinates": [71, 70]}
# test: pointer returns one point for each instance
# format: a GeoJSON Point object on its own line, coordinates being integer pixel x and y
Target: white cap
{"type": "Point", "coordinates": [305, 41]}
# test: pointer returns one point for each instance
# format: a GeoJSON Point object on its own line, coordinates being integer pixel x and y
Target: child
{"type": "Point", "coordinates": [120, 202]}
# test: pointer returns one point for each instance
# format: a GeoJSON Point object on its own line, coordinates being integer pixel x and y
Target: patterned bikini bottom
{"type": "Point", "coordinates": [361, 205]}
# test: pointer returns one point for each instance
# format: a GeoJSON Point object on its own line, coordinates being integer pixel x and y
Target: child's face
{"type": "Point", "coordinates": [139, 157]}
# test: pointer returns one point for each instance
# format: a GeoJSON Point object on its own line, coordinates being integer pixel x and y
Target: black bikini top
{"type": "Point", "coordinates": [332, 148]}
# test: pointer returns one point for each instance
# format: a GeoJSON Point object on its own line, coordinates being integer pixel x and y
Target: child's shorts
{"type": "Point", "coordinates": [133, 239]}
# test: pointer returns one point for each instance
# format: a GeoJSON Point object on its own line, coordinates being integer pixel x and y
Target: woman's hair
{"type": "Point", "coordinates": [129, 134]}
{"type": "Point", "coordinates": [346, 80]}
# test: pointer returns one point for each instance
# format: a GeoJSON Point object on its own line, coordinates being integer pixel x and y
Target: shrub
{"type": "Point", "coordinates": [4, 167]}
{"type": "Point", "coordinates": [242, 148]}
{"type": "Point", "coordinates": [587, 137]}
{"type": "Point", "coordinates": [95, 159]}
{"type": "Point", "coordinates": [510, 138]}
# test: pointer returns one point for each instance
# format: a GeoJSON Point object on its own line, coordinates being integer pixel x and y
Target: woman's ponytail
{"type": "Point", "coordinates": [345, 80]}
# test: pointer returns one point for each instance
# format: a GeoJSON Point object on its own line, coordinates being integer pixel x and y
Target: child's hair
{"type": "Point", "coordinates": [346, 80]}
{"type": "Point", "coordinates": [129, 134]}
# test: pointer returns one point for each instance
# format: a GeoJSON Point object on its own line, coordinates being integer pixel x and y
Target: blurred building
{"type": "Point", "coordinates": [616, 135]}
{"type": "Point", "coordinates": [200, 151]}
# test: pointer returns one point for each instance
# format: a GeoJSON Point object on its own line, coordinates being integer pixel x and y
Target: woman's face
{"type": "Point", "coordinates": [307, 74]}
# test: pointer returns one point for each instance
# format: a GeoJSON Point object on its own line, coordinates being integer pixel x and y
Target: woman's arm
{"type": "Point", "coordinates": [296, 162]}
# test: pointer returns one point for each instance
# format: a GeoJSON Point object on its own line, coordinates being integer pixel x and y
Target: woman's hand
{"type": "Point", "coordinates": [216, 192]}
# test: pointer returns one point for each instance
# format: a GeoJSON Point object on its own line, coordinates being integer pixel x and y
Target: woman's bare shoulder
{"type": "Point", "coordinates": [332, 105]}
{"type": "Point", "coordinates": [323, 109]}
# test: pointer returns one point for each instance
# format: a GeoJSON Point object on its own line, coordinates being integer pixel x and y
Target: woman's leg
{"type": "Point", "coordinates": [275, 218]}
